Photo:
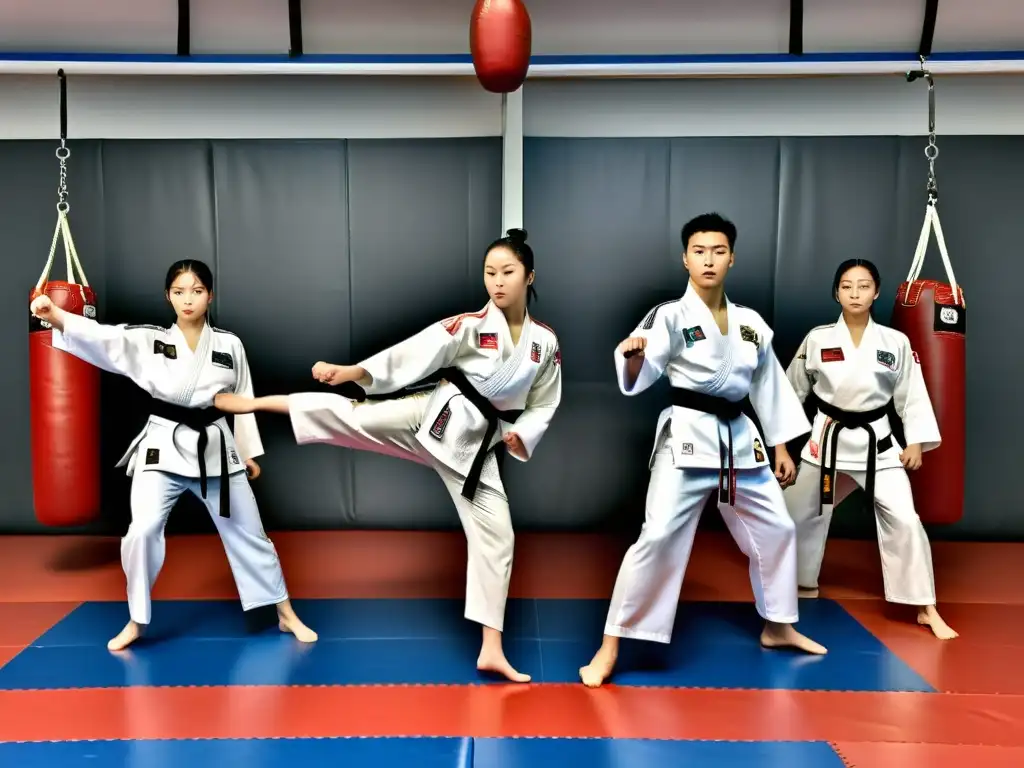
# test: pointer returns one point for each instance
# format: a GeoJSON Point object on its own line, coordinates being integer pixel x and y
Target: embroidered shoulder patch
{"type": "Point", "coordinates": [749, 334]}
{"type": "Point", "coordinates": [916, 358]}
{"type": "Point", "coordinates": [558, 355]}
{"type": "Point", "coordinates": [888, 359]}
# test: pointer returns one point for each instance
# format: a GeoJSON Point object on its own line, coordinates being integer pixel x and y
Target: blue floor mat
{"type": "Point", "coordinates": [428, 642]}
{"type": "Point", "coordinates": [419, 753]}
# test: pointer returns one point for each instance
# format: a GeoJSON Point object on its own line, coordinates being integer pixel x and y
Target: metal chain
{"type": "Point", "coordinates": [932, 150]}
{"type": "Point", "coordinates": [63, 153]}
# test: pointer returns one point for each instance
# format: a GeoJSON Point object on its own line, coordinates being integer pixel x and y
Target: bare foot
{"type": "Point", "coordinates": [491, 660]}
{"type": "Point", "coordinates": [928, 616]}
{"type": "Point", "coordinates": [288, 621]}
{"type": "Point", "coordinates": [232, 403]}
{"type": "Point", "coordinates": [807, 592]}
{"type": "Point", "coordinates": [600, 667]}
{"type": "Point", "coordinates": [786, 636]}
{"type": "Point", "coordinates": [125, 637]}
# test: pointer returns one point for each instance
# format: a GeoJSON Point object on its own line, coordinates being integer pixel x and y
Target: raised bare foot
{"type": "Point", "coordinates": [491, 660]}
{"type": "Point", "coordinates": [786, 636]}
{"type": "Point", "coordinates": [807, 592]}
{"type": "Point", "coordinates": [125, 637]}
{"type": "Point", "coordinates": [928, 616]}
{"type": "Point", "coordinates": [232, 403]}
{"type": "Point", "coordinates": [600, 667]}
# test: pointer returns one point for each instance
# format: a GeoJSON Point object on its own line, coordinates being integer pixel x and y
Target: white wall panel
{"type": "Point", "coordinates": [249, 107]}
{"type": "Point", "coordinates": [827, 106]}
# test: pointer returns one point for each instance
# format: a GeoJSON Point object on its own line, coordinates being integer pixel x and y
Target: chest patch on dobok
{"type": "Point", "coordinates": [832, 355]}
{"type": "Point", "coordinates": [487, 340]}
{"type": "Point", "coordinates": [749, 334]}
{"type": "Point", "coordinates": [535, 352]}
{"type": "Point", "coordinates": [223, 359]}
{"type": "Point", "coordinates": [693, 335]}
{"type": "Point", "coordinates": [887, 359]}
{"type": "Point", "coordinates": [167, 350]}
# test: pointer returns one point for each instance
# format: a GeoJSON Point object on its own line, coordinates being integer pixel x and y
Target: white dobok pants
{"type": "Point", "coordinates": [254, 562]}
{"type": "Point", "coordinates": [906, 554]}
{"type": "Point", "coordinates": [389, 427]}
{"type": "Point", "coordinates": [646, 594]}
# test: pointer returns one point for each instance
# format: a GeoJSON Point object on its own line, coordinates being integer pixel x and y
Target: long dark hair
{"type": "Point", "coordinates": [515, 241]}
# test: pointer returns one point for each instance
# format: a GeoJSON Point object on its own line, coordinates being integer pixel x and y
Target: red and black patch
{"type": "Point", "coordinates": [832, 355]}
{"type": "Point", "coordinates": [441, 422]}
{"type": "Point", "coordinates": [487, 340]}
{"type": "Point", "coordinates": [558, 355]}
{"type": "Point", "coordinates": [535, 352]}
{"type": "Point", "coordinates": [917, 359]}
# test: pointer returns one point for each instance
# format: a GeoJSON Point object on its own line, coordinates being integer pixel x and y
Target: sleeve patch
{"type": "Point", "coordinates": [558, 355]}
{"type": "Point", "coordinates": [916, 358]}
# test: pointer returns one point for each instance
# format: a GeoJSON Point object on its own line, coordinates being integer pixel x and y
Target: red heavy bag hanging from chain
{"type": "Point", "coordinates": [500, 42]}
{"type": "Point", "coordinates": [64, 391]}
{"type": "Point", "coordinates": [933, 315]}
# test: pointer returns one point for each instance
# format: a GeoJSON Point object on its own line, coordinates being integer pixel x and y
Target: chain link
{"type": "Point", "coordinates": [63, 153]}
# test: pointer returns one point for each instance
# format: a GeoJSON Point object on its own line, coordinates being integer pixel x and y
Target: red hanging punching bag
{"type": "Point", "coordinates": [500, 41]}
{"type": "Point", "coordinates": [64, 405]}
{"type": "Point", "coordinates": [933, 315]}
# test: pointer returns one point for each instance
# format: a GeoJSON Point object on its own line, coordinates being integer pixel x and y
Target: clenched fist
{"type": "Point", "coordinates": [328, 373]}
{"type": "Point", "coordinates": [634, 346]}
{"type": "Point", "coordinates": [41, 307]}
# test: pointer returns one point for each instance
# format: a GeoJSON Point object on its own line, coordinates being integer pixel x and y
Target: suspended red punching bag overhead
{"type": "Point", "coordinates": [500, 38]}
{"type": "Point", "coordinates": [933, 315]}
{"type": "Point", "coordinates": [64, 394]}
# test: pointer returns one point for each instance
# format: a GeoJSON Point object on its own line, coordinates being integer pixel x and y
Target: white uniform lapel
{"type": "Point", "coordinates": [193, 362]}
{"type": "Point", "coordinates": [720, 359]}
{"type": "Point", "coordinates": [848, 379]}
{"type": "Point", "coordinates": [512, 355]}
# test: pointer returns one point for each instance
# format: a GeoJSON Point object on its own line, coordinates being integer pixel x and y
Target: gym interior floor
{"type": "Point", "coordinates": [392, 681]}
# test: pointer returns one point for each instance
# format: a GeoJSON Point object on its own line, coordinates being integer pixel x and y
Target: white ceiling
{"type": "Point", "coordinates": [559, 26]}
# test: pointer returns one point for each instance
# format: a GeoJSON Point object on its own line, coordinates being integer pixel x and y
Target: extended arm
{"type": "Point", "coordinates": [113, 348]}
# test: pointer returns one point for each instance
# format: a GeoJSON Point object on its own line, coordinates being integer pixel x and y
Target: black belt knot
{"type": "Point", "coordinates": [848, 420]}
{"type": "Point", "coordinates": [198, 419]}
{"type": "Point", "coordinates": [489, 412]}
{"type": "Point", "coordinates": [726, 411]}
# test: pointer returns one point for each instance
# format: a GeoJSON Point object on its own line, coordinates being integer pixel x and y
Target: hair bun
{"type": "Point", "coordinates": [516, 235]}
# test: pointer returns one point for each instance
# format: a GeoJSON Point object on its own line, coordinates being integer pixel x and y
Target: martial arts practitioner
{"type": "Point", "coordinates": [186, 444]}
{"type": "Point", "coordinates": [715, 354]}
{"type": "Point", "coordinates": [500, 383]}
{"type": "Point", "coordinates": [855, 370]}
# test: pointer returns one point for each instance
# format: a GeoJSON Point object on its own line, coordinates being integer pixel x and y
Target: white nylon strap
{"type": "Point", "coordinates": [70, 254]}
{"type": "Point", "coordinates": [931, 223]}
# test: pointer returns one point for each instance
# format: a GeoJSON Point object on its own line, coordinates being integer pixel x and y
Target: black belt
{"type": "Point", "coordinates": [727, 411]}
{"type": "Point", "coordinates": [199, 419]}
{"type": "Point", "coordinates": [849, 420]}
{"type": "Point", "coordinates": [489, 412]}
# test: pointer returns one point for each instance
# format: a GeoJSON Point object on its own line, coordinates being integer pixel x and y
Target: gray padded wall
{"type": "Point", "coordinates": [330, 250]}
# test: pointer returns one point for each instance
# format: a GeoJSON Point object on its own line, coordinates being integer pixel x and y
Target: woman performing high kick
{"type": "Point", "coordinates": [856, 371]}
{"type": "Point", "coordinates": [186, 444]}
{"type": "Point", "coordinates": [500, 383]}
